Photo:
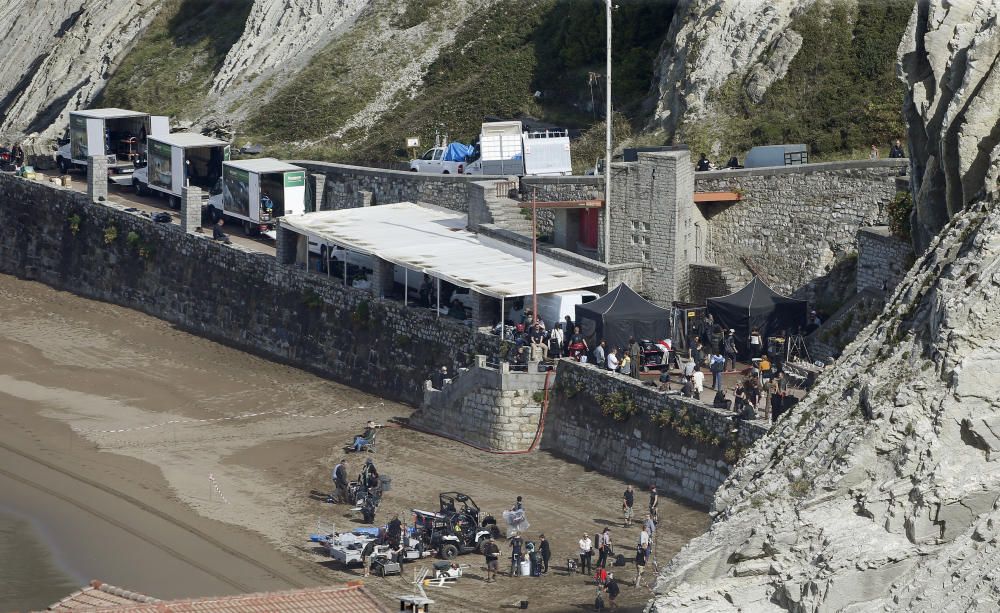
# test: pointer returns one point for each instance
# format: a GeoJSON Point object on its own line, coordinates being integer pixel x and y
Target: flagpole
{"type": "Point", "coordinates": [607, 144]}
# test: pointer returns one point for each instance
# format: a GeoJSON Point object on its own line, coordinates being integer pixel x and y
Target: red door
{"type": "Point", "coordinates": [588, 228]}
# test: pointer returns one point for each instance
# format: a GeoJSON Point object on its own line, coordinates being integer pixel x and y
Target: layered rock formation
{"type": "Point", "coordinates": [712, 41]}
{"type": "Point", "coordinates": [280, 33]}
{"type": "Point", "coordinates": [879, 491]}
{"type": "Point", "coordinates": [948, 60]}
{"type": "Point", "coordinates": [57, 55]}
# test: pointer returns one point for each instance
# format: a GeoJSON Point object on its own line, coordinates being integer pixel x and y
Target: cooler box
{"type": "Point", "coordinates": [525, 568]}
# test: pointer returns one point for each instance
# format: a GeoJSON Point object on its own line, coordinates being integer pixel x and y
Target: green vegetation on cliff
{"type": "Point", "coordinates": [840, 94]}
{"type": "Point", "coordinates": [170, 69]}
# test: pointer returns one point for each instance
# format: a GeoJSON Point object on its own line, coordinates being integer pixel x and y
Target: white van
{"type": "Point", "coordinates": [553, 308]}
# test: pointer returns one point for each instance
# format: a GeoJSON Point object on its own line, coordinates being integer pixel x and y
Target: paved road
{"type": "Point", "coordinates": [151, 204]}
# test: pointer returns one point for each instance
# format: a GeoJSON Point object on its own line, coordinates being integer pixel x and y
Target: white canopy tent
{"type": "Point", "coordinates": [434, 241]}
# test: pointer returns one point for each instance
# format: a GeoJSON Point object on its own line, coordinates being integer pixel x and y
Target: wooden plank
{"type": "Point", "coordinates": [716, 197]}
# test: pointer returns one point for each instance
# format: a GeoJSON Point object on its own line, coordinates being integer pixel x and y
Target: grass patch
{"type": "Point", "coordinates": [170, 70]}
{"type": "Point", "coordinates": [838, 96]}
{"type": "Point", "coordinates": [487, 70]}
{"type": "Point", "coordinates": [321, 97]}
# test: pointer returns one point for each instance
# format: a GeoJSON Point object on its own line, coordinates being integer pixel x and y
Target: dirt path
{"type": "Point", "coordinates": [122, 413]}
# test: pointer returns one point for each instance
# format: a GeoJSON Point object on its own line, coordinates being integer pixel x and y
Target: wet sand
{"type": "Point", "coordinates": [112, 421]}
{"type": "Point", "coordinates": [37, 579]}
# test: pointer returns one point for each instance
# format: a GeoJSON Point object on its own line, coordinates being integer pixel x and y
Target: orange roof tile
{"type": "Point", "coordinates": [349, 599]}
{"type": "Point", "coordinates": [99, 595]}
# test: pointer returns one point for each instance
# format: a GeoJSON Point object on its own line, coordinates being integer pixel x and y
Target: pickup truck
{"type": "Point", "coordinates": [449, 160]}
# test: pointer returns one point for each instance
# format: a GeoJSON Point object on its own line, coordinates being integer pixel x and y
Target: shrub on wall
{"type": "Point", "coordinates": [617, 405]}
{"type": "Point", "coordinates": [74, 223]}
{"type": "Point", "coordinates": [110, 234]}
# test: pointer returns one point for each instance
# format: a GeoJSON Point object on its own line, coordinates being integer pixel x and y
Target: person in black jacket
{"type": "Point", "coordinates": [612, 589]}
{"type": "Point", "coordinates": [340, 479]}
{"type": "Point", "coordinates": [543, 546]}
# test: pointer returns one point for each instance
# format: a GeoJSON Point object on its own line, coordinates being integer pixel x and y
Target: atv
{"type": "Point", "coordinates": [458, 526]}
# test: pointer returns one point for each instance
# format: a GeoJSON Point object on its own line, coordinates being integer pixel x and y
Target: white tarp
{"type": "Point", "coordinates": [434, 240]}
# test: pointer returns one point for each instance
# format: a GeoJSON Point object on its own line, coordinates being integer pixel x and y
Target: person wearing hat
{"type": "Point", "coordinates": [366, 437]}
{"type": "Point", "coordinates": [586, 551]}
{"type": "Point", "coordinates": [492, 554]}
{"type": "Point", "coordinates": [516, 553]}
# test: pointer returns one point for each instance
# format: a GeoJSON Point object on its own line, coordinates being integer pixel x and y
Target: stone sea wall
{"type": "Point", "coordinates": [487, 407]}
{"type": "Point", "coordinates": [241, 298]}
{"type": "Point", "coordinates": [793, 222]}
{"type": "Point", "coordinates": [687, 458]}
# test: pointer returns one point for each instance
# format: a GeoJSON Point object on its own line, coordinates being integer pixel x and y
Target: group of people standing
{"type": "Point", "coordinates": [626, 361]}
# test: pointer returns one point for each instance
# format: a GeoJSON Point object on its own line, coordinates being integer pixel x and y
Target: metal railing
{"type": "Point", "coordinates": [504, 188]}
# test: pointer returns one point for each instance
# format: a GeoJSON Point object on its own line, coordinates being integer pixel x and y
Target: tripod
{"type": "Point", "coordinates": [797, 349]}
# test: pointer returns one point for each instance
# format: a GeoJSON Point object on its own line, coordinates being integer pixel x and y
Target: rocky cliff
{"type": "Point", "coordinates": [58, 54]}
{"type": "Point", "coordinates": [948, 60]}
{"type": "Point", "coordinates": [879, 491]}
{"type": "Point", "coordinates": [734, 75]}
{"type": "Point", "coordinates": [711, 41]}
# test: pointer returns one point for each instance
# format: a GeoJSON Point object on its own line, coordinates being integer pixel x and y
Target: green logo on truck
{"type": "Point", "coordinates": [295, 179]}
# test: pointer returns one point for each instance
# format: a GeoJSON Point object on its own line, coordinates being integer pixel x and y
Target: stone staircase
{"type": "Point", "coordinates": [506, 213]}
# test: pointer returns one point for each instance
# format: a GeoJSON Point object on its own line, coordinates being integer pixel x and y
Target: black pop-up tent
{"type": "Point", "coordinates": [619, 314]}
{"type": "Point", "coordinates": [758, 306]}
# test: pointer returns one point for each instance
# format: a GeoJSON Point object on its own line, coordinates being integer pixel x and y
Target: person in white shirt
{"type": "Point", "coordinates": [698, 378]}
{"type": "Point", "coordinates": [644, 540]}
{"type": "Point", "coordinates": [613, 359]}
{"type": "Point", "coordinates": [586, 551]}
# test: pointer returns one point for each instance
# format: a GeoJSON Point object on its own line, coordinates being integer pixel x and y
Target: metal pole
{"type": "Point", "coordinates": [438, 297]}
{"type": "Point", "coordinates": [607, 144]}
{"type": "Point", "coordinates": [503, 329]}
{"type": "Point", "coordinates": [534, 257]}
{"type": "Point", "coordinates": [345, 266]}
{"type": "Point", "coordinates": [406, 284]}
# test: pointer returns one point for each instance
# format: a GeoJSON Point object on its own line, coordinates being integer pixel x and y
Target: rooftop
{"type": "Point", "coordinates": [98, 596]}
{"type": "Point", "coordinates": [111, 113]}
{"type": "Point", "coordinates": [188, 139]}
{"type": "Point", "coordinates": [434, 240]}
{"type": "Point", "coordinates": [263, 165]}
{"type": "Point", "coordinates": [333, 599]}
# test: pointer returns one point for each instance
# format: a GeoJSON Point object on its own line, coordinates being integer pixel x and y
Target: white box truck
{"type": "Point", "coordinates": [119, 134]}
{"type": "Point", "coordinates": [506, 149]}
{"type": "Point", "coordinates": [257, 192]}
{"type": "Point", "coordinates": [180, 159]}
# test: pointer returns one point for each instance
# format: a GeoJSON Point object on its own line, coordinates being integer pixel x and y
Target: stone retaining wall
{"type": "Point", "coordinates": [346, 186]}
{"type": "Point", "coordinates": [883, 259]}
{"type": "Point", "coordinates": [224, 292]}
{"type": "Point", "coordinates": [793, 222]}
{"type": "Point", "coordinates": [688, 462]}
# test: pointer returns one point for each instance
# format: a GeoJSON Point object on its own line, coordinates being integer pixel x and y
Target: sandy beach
{"type": "Point", "coordinates": [112, 421]}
